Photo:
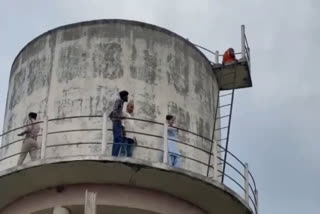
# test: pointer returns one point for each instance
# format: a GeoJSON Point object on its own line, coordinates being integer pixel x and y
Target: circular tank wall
{"type": "Point", "coordinates": [78, 70]}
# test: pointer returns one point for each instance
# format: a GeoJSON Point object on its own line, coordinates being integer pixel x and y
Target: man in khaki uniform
{"type": "Point", "coordinates": [29, 144]}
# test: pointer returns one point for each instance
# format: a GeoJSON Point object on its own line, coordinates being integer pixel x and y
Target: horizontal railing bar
{"type": "Point", "coordinates": [7, 145]}
{"type": "Point", "coordinates": [75, 117]}
{"type": "Point", "coordinates": [235, 169]}
{"type": "Point", "coordinates": [224, 95]}
{"type": "Point", "coordinates": [141, 133]}
{"type": "Point", "coordinates": [142, 120]}
{"type": "Point", "coordinates": [225, 127]}
{"type": "Point", "coordinates": [16, 141]}
{"type": "Point", "coordinates": [21, 127]}
{"type": "Point", "coordinates": [10, 156]}
{"type": "Point", "coordinates": [73, 130]}
{"type": "Point", "coordinates": [254, 182]}
{"type": "Point", "coordinates": [145, 147]}
{"type": "Point", "coordinates": [224, 116]}
{"type": "Point", "coordinates": [199, 46]}
{"type": "Point", "coordinates": [224, 106]}
{"type": "Point", "coordinates": [72, 144]}
{"type": "Point", "coordinates": [254, 204]}
{"type": "Point", "coordinates": [184, 130]}
{"type": "Point", "coordinates": [252, 191]}
{"type": "Point", "coordinates": [236, 158]}
{"type": "Point", "coordinates": [198, 148]}
{"type": "Point", "coordinates": [236, 182]}
{"type": "Point", "coordinates": [237, 53]}
{"type": "Point", "coordinates": [186, 157]}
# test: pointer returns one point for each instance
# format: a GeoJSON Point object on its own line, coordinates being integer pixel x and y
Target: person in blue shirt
{"type": "Point", "coordinates": [173, 150]}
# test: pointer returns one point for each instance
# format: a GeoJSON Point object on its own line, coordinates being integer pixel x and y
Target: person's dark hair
{"type": "Point", "coordinates": [169, 117]}
{"type": "Point", "coordinates": [123, 94]}
{"type": "Point", "coordinates": [33, 115]}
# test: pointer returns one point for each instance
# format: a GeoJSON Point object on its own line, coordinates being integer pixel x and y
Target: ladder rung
{"type": "Point", "coordinates": [224, 105]}
{"type": "Point", "coordinates": [221, 128]}
{"type": "Point", "coordinates": [218, 118]}
{"type": "Point", "coordinates": [224, 95]}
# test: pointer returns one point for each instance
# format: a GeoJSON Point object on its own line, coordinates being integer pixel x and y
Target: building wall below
{"type": "Point", "coordinates": [112, 197]}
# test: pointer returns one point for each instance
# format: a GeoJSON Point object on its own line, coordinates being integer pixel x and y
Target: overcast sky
{"type": "Point", "coordinates": [275, 124]}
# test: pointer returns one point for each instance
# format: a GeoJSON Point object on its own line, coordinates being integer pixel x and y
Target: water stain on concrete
{"type": "Point", "coordinates": [107, 61]}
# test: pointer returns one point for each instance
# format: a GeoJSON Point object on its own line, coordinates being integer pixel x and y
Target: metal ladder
{"type": "Point", "coordinates": [222, 122]}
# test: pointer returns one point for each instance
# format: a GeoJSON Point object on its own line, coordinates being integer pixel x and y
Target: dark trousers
{"type": "Point", "coordinates": [118, 140]}
{"type": "Point", "coordinates": [129, 146]}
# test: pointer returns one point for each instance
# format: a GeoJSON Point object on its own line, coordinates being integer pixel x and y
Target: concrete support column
{"type": "Point", "coordinates": [60, 210]}
{"type": "Point", "coordinates": [90, 205]}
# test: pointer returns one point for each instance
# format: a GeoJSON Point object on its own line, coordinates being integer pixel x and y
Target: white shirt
{"type": "Point", "coordinates": [33, 129]}
{"type": "Point", "coordinates": [128, 125]}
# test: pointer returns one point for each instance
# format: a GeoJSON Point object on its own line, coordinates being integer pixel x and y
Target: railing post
{"type": "Point", "coordinates": [44, 137]}
{"type": "Point", "coordinates": [215, 161]}
{"type": "Point", "coordinates": [246, 182]}
{"type": "Point", "coordinates": [243, 41]}
{"type": "Point", "coordinates": [165, 143]}
{"type": "Point", "coordinates": [257, 201]}
{"type": "Point", "coordinates": [104, 134]}
{"type": "Point", "coordinates": [217, 57]}
{"type": "Point", "coordinates": [90, 205]}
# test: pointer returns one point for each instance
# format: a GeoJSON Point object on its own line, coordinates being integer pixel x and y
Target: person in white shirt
{"type": "Point", "coordinates": [29, 144]}
{"type": "Point", "coordinates": [173, 149]}
{"type": "Point", "coordinates": [128, 125]}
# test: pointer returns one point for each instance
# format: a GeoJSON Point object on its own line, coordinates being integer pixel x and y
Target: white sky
{"type": "Point", "coordinates": [275, 123]}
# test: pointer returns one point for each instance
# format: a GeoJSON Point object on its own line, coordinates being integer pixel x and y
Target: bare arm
{"type": "Point", "coordinates": [24, 132]}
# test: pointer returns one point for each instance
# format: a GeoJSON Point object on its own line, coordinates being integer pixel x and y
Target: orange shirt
{"type": "Point", "coordinates": [228, 57]}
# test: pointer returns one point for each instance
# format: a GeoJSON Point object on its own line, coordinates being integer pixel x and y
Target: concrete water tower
{"type": "Point", "coordinates": [71, 77]}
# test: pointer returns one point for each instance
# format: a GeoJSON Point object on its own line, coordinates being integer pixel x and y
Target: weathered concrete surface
{"type": "Point", "coordinates": [210, 196]}
{"type": "Point", "coordinates": [79, 70]}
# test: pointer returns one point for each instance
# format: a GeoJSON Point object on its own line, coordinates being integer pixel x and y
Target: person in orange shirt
{"type": "Point", "coordinates": [229, 57]}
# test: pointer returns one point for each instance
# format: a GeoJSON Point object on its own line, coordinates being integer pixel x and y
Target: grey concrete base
{"type": "Point", "coordinates": [201, 191]}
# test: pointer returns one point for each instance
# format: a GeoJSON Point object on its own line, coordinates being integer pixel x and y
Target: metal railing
{"type": "Point", "coordinates": [209, 160]}
{"type": "Point", "coordinates": [245, 50]}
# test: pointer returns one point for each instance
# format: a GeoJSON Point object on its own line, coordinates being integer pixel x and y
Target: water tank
{"type": "Point", "coordinates": [72, 76]}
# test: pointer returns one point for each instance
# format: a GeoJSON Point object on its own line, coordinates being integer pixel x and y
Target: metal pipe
{"type": "Point", "coordinates": [213, 129]}
{"type": "Point", "coordinates": [165, 143]}
{"type": "Point", "coordinates": [228, 134]}
{"type": "Point", "coordinates": [44, 137]}
{"type": "Point", "coordinates": [246, 182]}
{"type": "Point", "coordinates": [243, 41]}
{"type": "Point", "coordinates": [215, 161]}
{"type": "Point", "coordinates": [257, 202]}
{"type": "Point", "coordinates": [104, 133]}
{"type": "Point", "coordinates": [217, 57]}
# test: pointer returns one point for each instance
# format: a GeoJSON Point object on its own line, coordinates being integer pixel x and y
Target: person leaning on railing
{"type": "Point", "coordinates": [116, 117]}
{"type": "Point", "coordinates": [128, 125]}
{"type": "Point", "coordinates": [174, 153]}
{"type": "Point", "coordinates": [29, 144]}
